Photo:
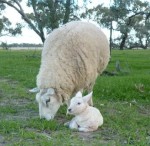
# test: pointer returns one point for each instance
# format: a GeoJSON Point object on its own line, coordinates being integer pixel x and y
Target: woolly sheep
{"type": "Point", "coordinates": [72, 58]}
{"type": "Point", "coordinates": [87, 118]}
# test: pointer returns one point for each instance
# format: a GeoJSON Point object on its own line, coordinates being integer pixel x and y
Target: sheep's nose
{"type": "Point", "coordinates": [69, 109]}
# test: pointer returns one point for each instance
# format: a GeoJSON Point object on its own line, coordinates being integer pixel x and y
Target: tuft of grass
{"type": "Point", "coordinates": [123, 97]}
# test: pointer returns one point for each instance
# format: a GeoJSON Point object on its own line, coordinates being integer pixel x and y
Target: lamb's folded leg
{"type": "Point", "coordinates": [85, 129]}
{"type": "Point", "coordinates": [67, 124]}
{"type": "Point", "coordinates": [88, 128]}
{"type": "Point", "coordinates": [73, 124]}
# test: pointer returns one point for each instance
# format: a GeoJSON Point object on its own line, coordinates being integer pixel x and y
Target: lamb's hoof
{"type": "Point", "coordinates": [67, 124]}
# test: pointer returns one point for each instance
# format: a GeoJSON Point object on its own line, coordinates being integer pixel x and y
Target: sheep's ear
{"type": "Point", "coordinates": [79, 94]}
{"type": "Point", "coordinates": [51, 91]}
{"type": "Point", "coordinates": [87, 97]}
{"type": "Point", "coordinates": [34, 90]}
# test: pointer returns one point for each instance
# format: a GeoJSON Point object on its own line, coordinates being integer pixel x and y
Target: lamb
{"type": "Point", "coordinates": [87, 118]}
{"type": "Point", "coordinates": [72, 58]}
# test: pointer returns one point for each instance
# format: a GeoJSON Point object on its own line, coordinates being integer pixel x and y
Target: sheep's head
{"type": "Point", "coordinates": [48, 103]}
{"type": "Point", "coordinates": [78, 103]}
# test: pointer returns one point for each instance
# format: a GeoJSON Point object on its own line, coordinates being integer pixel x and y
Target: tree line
{"type": "Point", "coordinates": [130, 19]}
{"type": "Point", "coordinates": [6, 46]}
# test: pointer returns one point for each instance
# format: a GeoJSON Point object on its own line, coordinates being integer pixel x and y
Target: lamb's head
{"type": "Point", "coordinates": [78, 104]}
{"type": "Point", "coordinates": [48, 103]}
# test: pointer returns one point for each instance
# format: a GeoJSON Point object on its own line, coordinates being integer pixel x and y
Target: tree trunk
{"type": "Point", "coordinates": [110, 38]}
{"type": "Point", "coordinates": [67, 12]}
{"type": "Point", "coordinates": [122, 44]}
{"type": "Point", "coordinates": [53, 14]}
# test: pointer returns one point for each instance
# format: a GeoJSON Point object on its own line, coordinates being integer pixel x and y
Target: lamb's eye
{"type": "Point", "coordinates": [78, 103]}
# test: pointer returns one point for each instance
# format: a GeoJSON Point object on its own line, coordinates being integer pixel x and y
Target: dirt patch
{"type": "Point", "coordinates": [11, 82]}
{"type": "Point", "coordinates": [2, 141]}
{"type": "Point", "coordinates": [12, 106]}
{"type": "Point", "coordinates": [144, 110]}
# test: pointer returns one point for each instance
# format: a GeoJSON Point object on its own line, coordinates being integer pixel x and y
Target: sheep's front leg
{"type": "Point", "coordinates": [67, 102]}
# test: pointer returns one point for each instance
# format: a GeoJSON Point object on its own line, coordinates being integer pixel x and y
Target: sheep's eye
{"type": "Point", "coordinates": [47, 101]}
{"type": "Point", "coordinates": [79, 103]}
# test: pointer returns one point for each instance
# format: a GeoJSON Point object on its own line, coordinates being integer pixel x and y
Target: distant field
{"type": "Point", "coordinates": [123, 98]}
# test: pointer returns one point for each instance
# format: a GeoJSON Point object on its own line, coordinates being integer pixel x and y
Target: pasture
{"type": "Point", "coordinates": [123, 97]}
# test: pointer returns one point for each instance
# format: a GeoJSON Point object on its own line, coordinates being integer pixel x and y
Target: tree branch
{"type": "Point", "coordinates": [24, 16]}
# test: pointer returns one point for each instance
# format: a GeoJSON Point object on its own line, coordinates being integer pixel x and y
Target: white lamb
{"type": "Point", "coordinates": [72, 58]}
{"type": "Point", "coordinates": [87, 118]}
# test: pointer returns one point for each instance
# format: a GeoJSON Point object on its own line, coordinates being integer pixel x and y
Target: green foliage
{"type": "Point", "coordinates": [7, 29]}
{"type": "Point", "coordinates": [4, 45]}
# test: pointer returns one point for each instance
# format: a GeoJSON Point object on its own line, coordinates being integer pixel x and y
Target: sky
{"type": "Point", "coordinates": [28, 35]}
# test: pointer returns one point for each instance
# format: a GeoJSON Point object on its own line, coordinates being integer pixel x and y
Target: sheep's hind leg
{"type": "Point", "coordinates": [90, 88]}
{"type": "Point", "coordinates": [90, 102]}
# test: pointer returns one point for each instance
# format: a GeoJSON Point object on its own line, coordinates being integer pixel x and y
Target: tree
{"type": "Point", "coordinates": [141, 37]}
{"type": "Point", "coordinates": [102, 15]}
{"type": "Point", "coordinates": [4, 45]}
{"type": "Point", "coordinates": [143, 32]}
{"type": "Point", "coordinates": [127, 15]}
{"type": "Point", "coordinates": [47, 14]}
{"type": "Point", "coordinates": [106, 20]}
{"type": "Point", "coordinates": [5, 25]}
{"type": "Point", "coordinates": [122, 16]}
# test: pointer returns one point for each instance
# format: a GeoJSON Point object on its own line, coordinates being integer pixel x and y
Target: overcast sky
{"type": "Point", "coordinates": [28, 35]}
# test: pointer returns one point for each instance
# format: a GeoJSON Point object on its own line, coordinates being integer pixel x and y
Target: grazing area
{"type": "Point", "coordinates": [122, 94]}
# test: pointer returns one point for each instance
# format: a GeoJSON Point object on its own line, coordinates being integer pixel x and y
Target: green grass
{"type": "Point", "coordinates": [123, 99]}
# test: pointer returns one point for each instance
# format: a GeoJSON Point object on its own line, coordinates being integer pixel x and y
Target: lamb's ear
{"type": "Point", "coordinates": [51, 91]}
{"type": "Point", "coordinates": [79, 94]}
{"type": "Point", "coordinates": [87, 97]}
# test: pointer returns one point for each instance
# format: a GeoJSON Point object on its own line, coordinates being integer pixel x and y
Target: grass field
{"type": "Point", "coordinates": [123, 98]}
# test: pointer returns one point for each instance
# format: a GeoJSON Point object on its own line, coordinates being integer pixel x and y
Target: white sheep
{"type": "Point", "coordinates": [72, 58]}
{"type": "Point", "coordinates": [87, 118]}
